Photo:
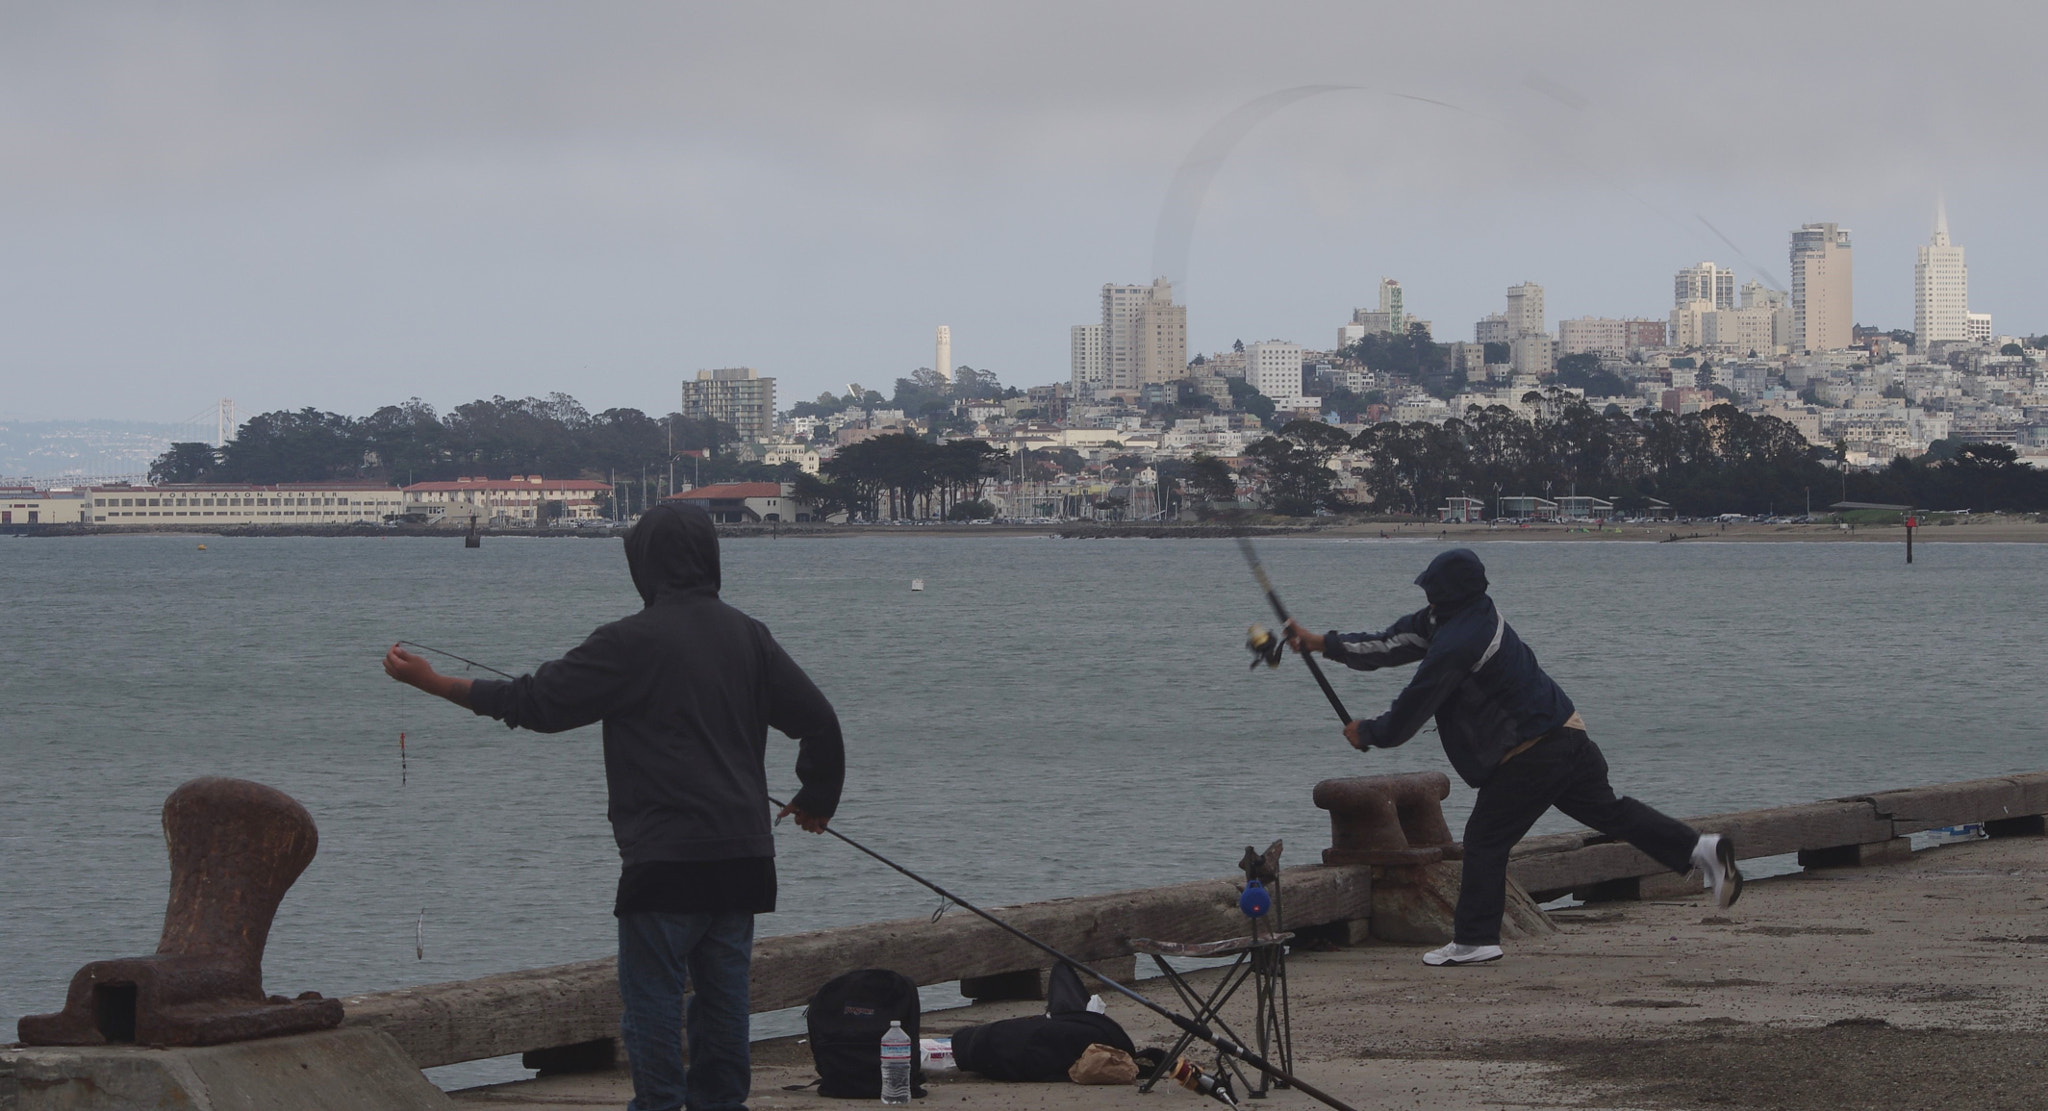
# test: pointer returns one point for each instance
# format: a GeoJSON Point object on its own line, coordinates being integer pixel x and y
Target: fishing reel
{"type": "Point", "coordinates": [1266, 646]}
{"type": "Point", "coordinates": [1215, 1085]}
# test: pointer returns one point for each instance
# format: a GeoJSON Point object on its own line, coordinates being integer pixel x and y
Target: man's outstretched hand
{"type": "Point", "coordinates": [415, 671]}
{"type": "Point", "coordinates": [810, 823]}
{"type": "Point", "coordinates": [1301, 640]}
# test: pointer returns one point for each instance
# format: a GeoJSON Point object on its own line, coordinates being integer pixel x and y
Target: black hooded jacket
{"type": "Point", "coordinates": [687, 689]}
{"type": "Point", "coordinates": [1477, 678]}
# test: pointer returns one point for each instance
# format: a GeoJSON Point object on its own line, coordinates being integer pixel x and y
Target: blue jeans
{"type": "Point", "coordinates": [659, 955]}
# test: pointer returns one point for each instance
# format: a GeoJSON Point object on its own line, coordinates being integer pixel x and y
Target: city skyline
{"type": "Point", "coordinates": [205, 206]}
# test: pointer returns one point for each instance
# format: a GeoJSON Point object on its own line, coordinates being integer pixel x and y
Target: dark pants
{"type": "Point", "coordinates": [1564, 770]}
{"type": "Point", "coordinates": [659, 955]}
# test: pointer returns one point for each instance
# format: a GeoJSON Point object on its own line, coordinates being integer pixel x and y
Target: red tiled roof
{"type": "Point", "coordinates": [728, 490]}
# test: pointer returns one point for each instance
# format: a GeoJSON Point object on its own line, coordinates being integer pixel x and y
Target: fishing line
{"type": "Point", "coordinates": [1251, 556]}
{"type": "Point", "coordinates": [453, 656]}
{"type": "Point", "coordinates": [1187, 1025]}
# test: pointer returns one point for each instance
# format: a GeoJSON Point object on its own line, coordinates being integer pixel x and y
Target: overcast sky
{"type": "Point", "coordinates": [345, 205]}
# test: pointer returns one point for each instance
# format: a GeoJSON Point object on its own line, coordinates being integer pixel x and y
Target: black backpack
{"type": "Point", "coordinates": [846, 1020]}
{"type": "Point", "coordinates": [1039, 1047]}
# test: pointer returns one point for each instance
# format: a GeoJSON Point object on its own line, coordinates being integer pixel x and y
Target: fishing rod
{"type": "Point", "coordinates": [1189, 1026]}
{"type": "Point", "coordinates": [1251, 556]}
{"type": "Point", "coordinates": [453, 656]}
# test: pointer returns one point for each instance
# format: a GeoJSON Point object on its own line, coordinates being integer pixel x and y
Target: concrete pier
{"type": "Point", "coordinates": [1915, 982]}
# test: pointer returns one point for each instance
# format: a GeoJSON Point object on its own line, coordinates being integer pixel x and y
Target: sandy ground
{"type": "Point", "coordinates": [1920, 984]}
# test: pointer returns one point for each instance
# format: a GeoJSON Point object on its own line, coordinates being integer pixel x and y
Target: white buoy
{"type": "Point", "coordinates": [917, 584]}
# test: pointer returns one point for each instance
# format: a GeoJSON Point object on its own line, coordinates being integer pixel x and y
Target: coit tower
{"type": "Point", "coordinates": [943, 360]}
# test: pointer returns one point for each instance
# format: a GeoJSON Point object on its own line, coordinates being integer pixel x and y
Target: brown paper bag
{"type": "Point", "coordinates": [1103, 1064]}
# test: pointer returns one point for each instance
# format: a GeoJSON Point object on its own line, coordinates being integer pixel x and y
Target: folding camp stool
{"type": "Point", "coordinates": [1262, 959]}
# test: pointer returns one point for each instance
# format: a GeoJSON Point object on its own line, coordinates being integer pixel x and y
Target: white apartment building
{"type": "Point", "coordinates": [1941, 289]}
{"type": "Point", "coordinates": [1089, 345]}
{"type": "Point", "coordinates": [1608, 337]}
{"type": "Point", "coordinates": [735, 395]}
{"type": "Point", "coordinates": [1273, 368]}
{"type": "Point", "coordinates": [1142, 340]}
{"type": "Point", "coordinates": [1525, 310]}
{"type": "Point", "coordinates": [1977, 327]}
{"type": "Point", "coordinates": [284, 503]}
{"type": "Point", "coordinates": [1706, 282]}
{"type": "Point", "coordinates": [1689, 323]}
{"type": "Point", "coordinates": [522, 500]}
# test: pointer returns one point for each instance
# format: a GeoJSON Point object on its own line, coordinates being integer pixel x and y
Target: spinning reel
{"type": "Point", "coordinates": [1266, 646]}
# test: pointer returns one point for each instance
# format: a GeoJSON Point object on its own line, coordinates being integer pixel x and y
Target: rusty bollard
{"type": "Point", "coordinates": [1393, 820]}
{"type": "Point", "coordinates": [236, 847]}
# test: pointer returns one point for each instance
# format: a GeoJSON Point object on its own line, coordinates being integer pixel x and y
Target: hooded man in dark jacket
{"type": "Point", "coordinates": [687, 689]}
{"type": "Point", "coordinates": [1513, 735]}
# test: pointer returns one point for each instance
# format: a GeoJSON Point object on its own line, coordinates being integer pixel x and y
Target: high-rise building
{"type": "Point", "coordinates": [1390, 303]}
{"type": "Point", "coordinates": [1525, 309]}
{"type": "Point", "coordinates": [942, 359]}
{"type": "Point", "coordinates": [1492, 328]}
{"type": "Point", "coordinates": [1090, 343]}
{"type": "Point", "coordinates": [1823, 303]}
{"type": "Point", "coordinates": [1123, 308]}
{"type": "Point", "coordinates": [1162, 337]}
{"type": "Point", "coordinates": [1144, 336]}
{"type": "Point", "coordinates": [1705, 282]}
{"type": "Point", "coordinates": [735, 395]}
{"type": "Point", "coordinates": [1274, 369]}
{"type": "Point", "coordinates": [1941, 288]}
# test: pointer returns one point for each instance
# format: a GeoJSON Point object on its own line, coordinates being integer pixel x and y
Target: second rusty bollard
{"type": "Point", "coordinates": [1387, 819]}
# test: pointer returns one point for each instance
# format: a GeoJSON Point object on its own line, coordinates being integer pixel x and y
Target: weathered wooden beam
{"type": "Point", "coordinates": [1550, 867]}
{"type": "Point", "coordinates": [518, 1012]}
{"type": "Point", "coordinates": [1555, 864]}
{"type": "Point", "coordinates": [1954, 804]}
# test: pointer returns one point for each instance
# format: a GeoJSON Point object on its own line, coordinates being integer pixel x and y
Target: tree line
{"type": "Point", "coordinates": [496, 438]}
{"type": "Point", "coordinates": [901, 477]}
{"type": "Point", "coordinates": [1717, 460]}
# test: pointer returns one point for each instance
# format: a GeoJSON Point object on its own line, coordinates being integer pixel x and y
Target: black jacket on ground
{"type": "Point", "coordinates": [1477, 678]}
{"type": "Point", "coordinates": [687, 689]}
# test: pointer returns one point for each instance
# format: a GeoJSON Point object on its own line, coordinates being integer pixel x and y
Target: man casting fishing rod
{"type": "Point", "coordinates": [1512, 734]}
{"type": "Point", "coordinates": [687, 689]}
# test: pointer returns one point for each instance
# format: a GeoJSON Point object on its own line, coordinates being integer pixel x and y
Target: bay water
{"type": "Point", "coordinates": [1045, 718]}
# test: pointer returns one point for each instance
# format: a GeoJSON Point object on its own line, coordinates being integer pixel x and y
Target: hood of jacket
{"type": "Point", "coordinates": [1453, 579]}
{"type": "Point", "coordinates": [673, 551]}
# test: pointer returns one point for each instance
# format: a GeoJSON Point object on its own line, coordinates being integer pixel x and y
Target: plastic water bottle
{"type": "Point", "coordinates": [897, 1052]}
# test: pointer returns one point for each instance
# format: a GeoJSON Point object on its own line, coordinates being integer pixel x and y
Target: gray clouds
{"type": "Point", "coordinates": [341, 205]}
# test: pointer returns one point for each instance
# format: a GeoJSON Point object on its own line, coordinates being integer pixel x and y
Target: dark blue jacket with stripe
{"type": "Point", "coordinates": [1477, 678]}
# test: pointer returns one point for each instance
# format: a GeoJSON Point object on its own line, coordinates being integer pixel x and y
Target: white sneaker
{"type": "Point", "coordinates": [1715, 856]}
{"type": "Point", "coordinates": [1455, 953]}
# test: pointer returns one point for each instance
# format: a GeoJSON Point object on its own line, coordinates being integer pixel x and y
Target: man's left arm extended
{"type": "Point", "coordinates": [577, 690]}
